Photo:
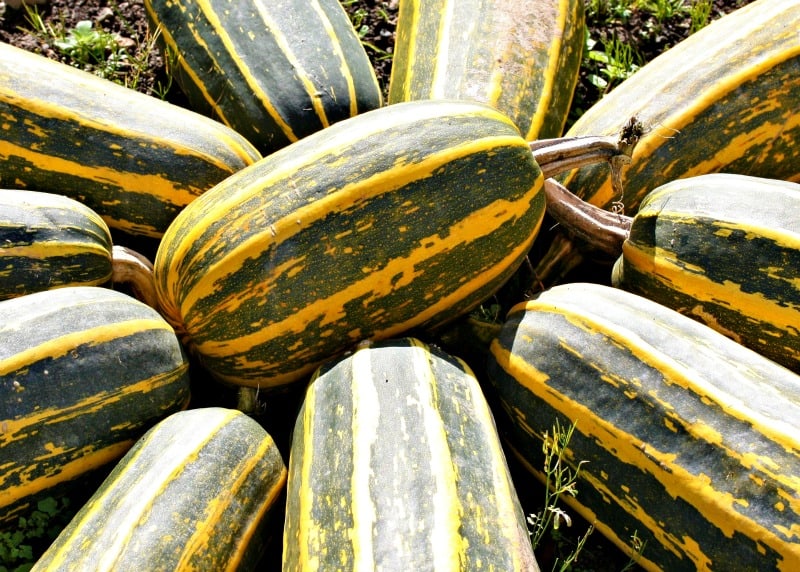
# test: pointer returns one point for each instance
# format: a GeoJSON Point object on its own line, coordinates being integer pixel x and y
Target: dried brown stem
{"type": "Point", "coordinates": [557, 156]}
{"type": "Point", "coordinates": [600, 230]}
{"type": "Point", "coordinates": [593, 228]}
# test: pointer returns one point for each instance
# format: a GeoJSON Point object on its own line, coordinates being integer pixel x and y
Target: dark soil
{"type": "Point", "coordinates": [375, 21]}
{"type": "Point", "coordinates": [128, 20]}
{"type": "Point", "coordinates": [642, 30]}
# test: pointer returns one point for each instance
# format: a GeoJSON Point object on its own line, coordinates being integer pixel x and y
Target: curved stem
{"type": "Point", "coordinates": [136, 272]}
{"type": "Point", "coordinates": [598, 229]}
{"type": "Point", "coordinates": [594, 228]}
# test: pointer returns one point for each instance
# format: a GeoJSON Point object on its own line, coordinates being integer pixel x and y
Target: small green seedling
{"type": "Point", "coordinates": [616, 62]}
{"type": "Point", "coordinates": [92, 49]}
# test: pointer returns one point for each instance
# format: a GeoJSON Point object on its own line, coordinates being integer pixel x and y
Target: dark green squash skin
{"type": "Point", "coordinates": [273, 71]}
{"type": "Point", "coordinates": [84, 372]}
{"type": "Point", "coordinates": [670, 416]}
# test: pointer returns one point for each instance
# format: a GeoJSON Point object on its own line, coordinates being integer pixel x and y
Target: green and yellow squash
{"type": "Point", "coordinates": [396, 464]}
{"type": "Point", "coordinates": [50, 241]}
{"type": "Point", "coordinates": [134, 159]}
{"type": "Point", "coordinates": [194, 493]}
{"type": "Point", "coordinates": [273, 71]}
{"type": "Point", "coordinates": [691, 439]}
{"type": "Point", "coordinates": [84, 372]}
{"type": "Point", "coordinates": [406, 216]}
{"type": "Point", "coordinates": [725, 250]}
{"type": "Point", "coordinates": [520, 57]}
{"type": "Point", "coordinates": [723, 100]}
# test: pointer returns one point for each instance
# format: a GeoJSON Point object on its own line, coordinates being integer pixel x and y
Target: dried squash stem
{"type": "Point", "coordinates": [596, 229]}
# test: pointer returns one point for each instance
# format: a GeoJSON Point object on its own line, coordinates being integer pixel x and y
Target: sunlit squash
{"type": "Point", "coordinates": [691, 439]}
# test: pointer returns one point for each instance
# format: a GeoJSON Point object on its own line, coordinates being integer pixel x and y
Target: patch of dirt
{"type": "Point", "coordinates": [34, 28]}
{"type": "Point", "coordinates": [375, 22]}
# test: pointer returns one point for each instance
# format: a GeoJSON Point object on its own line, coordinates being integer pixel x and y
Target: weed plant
{"type": "Point", "coordinates": [561, 479]}
{"type": "Point", "coordinates": [98, 51]}
{"type": "Point", "coordinates": [33, 533]}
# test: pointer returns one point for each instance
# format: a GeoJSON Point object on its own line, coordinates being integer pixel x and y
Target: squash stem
{"type": "Point", "coordinates": [594, 228]}
{"type": "Point", "coordinates": [135, 271]}
{"type": "Point", "coordinates": [557, 156]}
{"type": "Point", "coordinates": [599, 230]}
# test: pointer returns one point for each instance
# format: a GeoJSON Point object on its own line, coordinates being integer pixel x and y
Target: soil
{"type": "Point", "coordinates": [127, 20]}
{"type": "Point", "coordinates": [375, 21]}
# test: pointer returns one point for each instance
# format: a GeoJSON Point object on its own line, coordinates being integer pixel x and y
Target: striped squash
{"type": "Point", "coordinates": [691, 440]}
{"type": "Point", "coordinates": [84, 372]}
{"type": "Point", "coordinates": [723, 249]}
{"type": "Point", "coordinates": [724, 99]}
{"type": "Point", "coordinates": [133, 159]}
{"type": "Point", "coordinates": [520, 57]}
{"type": "Point", "coordinates": [49, 241]}
{"type": "Point", "coordinates": [395, 464]}
{"type": "Point", "coordinates": [405, 216]}
{"type": "Point", "coordinates": [194, 493]}
{"type": "Point", "coordinates": [273, 71]}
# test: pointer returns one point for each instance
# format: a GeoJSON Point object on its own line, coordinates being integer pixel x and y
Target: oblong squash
{"type": "Point", "coordinates": [691, 439]}
{"type": "Point", "coordinates": [723, 249]}
{"type": "Point", "coordinates": [395, 464]}
{"type": "Point", "coordinates": [134, 159]}
{"type": "Point", "coordinates": [50, 241]}
{"type": "Point", "coordinates": [273, 71]}
{"type": "Point", "coordinates": [194, 493]}
{"type": "Point", "coordinates": [521, 58]}
{"type": "Point", "coordinates": [84, 372]}
{"type": "Point", "coordinates": [724, 99]}
{"type": "Point", "coordinates": [402, 217]}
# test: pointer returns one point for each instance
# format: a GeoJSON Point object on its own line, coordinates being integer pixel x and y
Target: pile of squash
{"type": "Point", "coordinates": [298, 235]}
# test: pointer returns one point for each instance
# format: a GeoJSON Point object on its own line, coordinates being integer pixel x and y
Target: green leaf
{"type": "Point", "coordinates": [48, 506]}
